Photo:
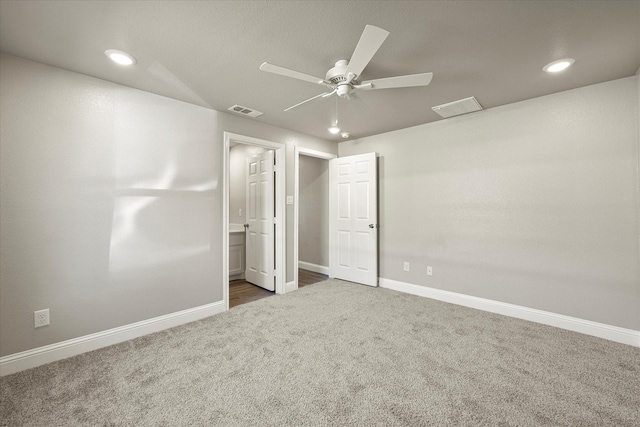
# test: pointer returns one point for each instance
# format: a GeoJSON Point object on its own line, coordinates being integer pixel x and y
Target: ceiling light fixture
{"type": "Point", "coordinates": [120, 57]}
{"type": "Point", "coordinates": [335, 129]}
{"type": "Point", "coordinates": [559, 65]}
{"type": "Point", "coordinates": [345, 135]}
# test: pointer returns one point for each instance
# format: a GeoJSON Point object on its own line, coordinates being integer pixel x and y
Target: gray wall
{"type": "Point", "coordinates": [111, 202]}
{"type": "Point", "coordinates": [313, 214]}
{"type": "Point", "coordinates": [534, 203]}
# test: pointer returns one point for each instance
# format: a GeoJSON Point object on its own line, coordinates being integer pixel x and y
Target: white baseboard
{"type": "Point", "coordinates": [50, 353]}
{"type": "Point", "coordinates": [600, 330]}
{"type": "Point", "coordinates": [239, 276]}
{"type": "Point", "coordinates": [313, 267]}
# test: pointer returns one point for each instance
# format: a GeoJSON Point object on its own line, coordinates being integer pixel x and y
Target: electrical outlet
{"type": "Point", "coordinates": [240, 212]}
{"type": "Point", "coordinates": [429, 271]}
{"type": "Point", "coordinates": [406, 266]}
{"type": "Point", "coordinates": [41, 318]}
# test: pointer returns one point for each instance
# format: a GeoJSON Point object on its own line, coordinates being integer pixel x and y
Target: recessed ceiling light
{"type": "Point", "coordinates": [334, 129]}
{"type": "Point", "coordinates": [345, 134]}
{"type": "Point", "coordinates": [120, 57]}
{"type": "Point", "coordinates": [559, 65]}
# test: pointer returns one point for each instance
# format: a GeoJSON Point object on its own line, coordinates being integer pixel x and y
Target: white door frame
{"type": "Point", "coordinates": [298, 151]}
{"type": "Point", "coordinates": [280, 236]}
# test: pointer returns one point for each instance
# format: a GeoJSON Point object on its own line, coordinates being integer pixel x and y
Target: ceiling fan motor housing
{"type": "Point", "coordinates": [337, 76]}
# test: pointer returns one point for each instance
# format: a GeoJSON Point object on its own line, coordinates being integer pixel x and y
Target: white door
{"type": "Point", "coordinates": [260, 220]}
{"type": "Point", "coordinates": [353, 219]}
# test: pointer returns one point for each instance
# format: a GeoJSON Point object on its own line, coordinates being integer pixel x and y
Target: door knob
{"type": "Point", "coordinates": [246, 226]}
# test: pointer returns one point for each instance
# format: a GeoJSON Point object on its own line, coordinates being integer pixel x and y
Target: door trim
{"type": "Point", "coordinates": [298, 151]}
{"type": "Point", "coordinates": [280, 220]}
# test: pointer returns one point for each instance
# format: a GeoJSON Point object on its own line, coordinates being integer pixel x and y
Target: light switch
{"type": "Point", "coordinates": [289, 200]}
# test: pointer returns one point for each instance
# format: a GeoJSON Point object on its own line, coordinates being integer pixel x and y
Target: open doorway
{"type": "Point", "coordinates": [311, 210]}
{"type": "Point", "coordinates": [237, 237]}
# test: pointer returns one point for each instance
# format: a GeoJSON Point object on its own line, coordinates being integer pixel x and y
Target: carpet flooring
{"type": "Point", "coordinates": [338, 354]}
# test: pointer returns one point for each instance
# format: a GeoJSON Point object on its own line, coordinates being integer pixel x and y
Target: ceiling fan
{"type": "Point", "coordinates": [344, 78]}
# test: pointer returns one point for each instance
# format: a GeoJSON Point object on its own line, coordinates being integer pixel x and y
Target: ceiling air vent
{"type": "Point", "coordinates": [245, 111]}
{"type": "Point", "coordinates": [456, 108]}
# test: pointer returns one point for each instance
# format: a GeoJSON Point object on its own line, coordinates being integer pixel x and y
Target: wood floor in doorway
{"type": "Point", "coordinates": [241, 291]}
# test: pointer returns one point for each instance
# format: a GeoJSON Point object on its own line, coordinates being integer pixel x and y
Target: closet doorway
{"type": "Point", "coordinates": [311, 214]}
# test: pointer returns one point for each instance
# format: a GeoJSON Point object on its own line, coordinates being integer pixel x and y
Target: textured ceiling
{"type": "Point", "coordinates": [208, 52]}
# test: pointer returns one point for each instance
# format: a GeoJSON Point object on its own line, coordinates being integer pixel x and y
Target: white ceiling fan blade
{"type": "Point", "coordinates": [276, 69]}
{"type": "Point", "coordinates": [369, 43]}
{"type": "Point", "coordinates": [324, 95]}
{"type": "Point", "coordinates": [400, 81]}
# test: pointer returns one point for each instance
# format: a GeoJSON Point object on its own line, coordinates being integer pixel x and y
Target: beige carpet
{"type": "Point", "coordinates": [337, 353]}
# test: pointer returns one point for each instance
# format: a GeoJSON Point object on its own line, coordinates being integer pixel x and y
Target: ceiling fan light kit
{"type": "Point", "coordinates": [344, 78]}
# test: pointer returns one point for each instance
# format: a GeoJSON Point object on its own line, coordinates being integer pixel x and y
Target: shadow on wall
{"type": "Point", "coordinates": [159, 222]}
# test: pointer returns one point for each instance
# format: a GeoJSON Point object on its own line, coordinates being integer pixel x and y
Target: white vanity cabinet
{"type": "Point", "coordinates": [236, 254]}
